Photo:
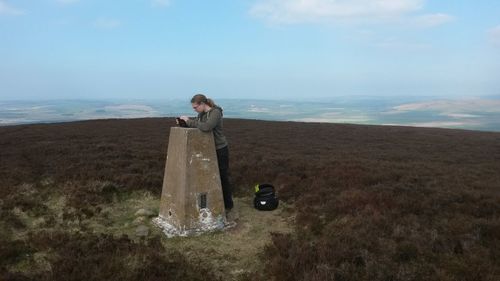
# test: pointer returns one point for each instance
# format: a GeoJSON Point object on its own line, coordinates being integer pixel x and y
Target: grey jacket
{"type": "Point", "coordinates": [210, 121]}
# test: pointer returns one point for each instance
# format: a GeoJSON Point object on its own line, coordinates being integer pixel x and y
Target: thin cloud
{"type": "Point", "coordinates": [160, 3]}
{"type": "Point", "coordinates": [6, 9]}
{"type": "Point", "coordinates": [494, 35]}
{"type": "Point", "coordinates": [431, 20]}
{"type": "Point", "coordinates": [341, 11]}
{"type": "Point", "coordinates": [67, 2]}
{"type": "Point", "coordinates": [398, 45]}
{"type": "Point", "coordinates": [106, 23]}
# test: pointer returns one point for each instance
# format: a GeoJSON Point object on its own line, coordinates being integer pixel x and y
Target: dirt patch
{"type": "Point", "coordinates": [234, 253]}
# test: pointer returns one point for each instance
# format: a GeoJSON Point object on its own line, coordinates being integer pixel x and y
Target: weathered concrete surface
{"type": "Point", "coordinates": [191, 200]}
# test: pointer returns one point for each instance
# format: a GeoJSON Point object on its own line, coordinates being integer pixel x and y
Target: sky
{"type": "Point", "coordinates": [296, 49]}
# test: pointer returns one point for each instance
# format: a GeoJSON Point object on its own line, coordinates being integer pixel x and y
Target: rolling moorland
{"type": "Point", "coordinates": [465, 113]}
{"type": "Point", "coordinates": [359, 202]}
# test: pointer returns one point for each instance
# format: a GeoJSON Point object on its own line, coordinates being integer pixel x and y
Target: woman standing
{"type": "Point", "coordinates": [210, 120]}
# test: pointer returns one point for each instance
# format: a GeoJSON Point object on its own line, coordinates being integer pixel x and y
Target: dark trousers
{"type": "Point", "coordinates": [223, 161]}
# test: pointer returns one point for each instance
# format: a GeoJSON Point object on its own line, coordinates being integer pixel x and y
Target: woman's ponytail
{"type": "Point", "coordinates": [210, 102]}
{"type": "Point", "coordinates": [200, 98]}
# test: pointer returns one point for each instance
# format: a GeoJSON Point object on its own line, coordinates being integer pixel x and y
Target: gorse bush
{"type": "Point", "coordinates": [371, 202]}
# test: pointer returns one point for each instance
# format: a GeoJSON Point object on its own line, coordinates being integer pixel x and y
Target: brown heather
{"type": "Point", "coordinates": [371, 202]}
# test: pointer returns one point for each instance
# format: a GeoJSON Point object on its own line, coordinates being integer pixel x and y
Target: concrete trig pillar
{"type": "Point", "coordinates": [191, 198]}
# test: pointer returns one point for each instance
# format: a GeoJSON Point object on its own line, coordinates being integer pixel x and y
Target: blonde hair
{"type": "Point", "coordinates": [200, 98]}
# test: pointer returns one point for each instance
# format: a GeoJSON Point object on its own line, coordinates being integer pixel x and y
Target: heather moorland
{"type": "Point", "coordinates": [359, 202]}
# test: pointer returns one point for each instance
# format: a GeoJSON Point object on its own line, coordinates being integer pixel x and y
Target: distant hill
{"type": "Point", "coordinates": [473, 113]}
{"type": "Point", "coordinates": [365, 203]}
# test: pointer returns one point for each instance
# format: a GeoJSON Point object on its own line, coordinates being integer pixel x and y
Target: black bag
{"type": "Point", "coordinates": [265, 197]}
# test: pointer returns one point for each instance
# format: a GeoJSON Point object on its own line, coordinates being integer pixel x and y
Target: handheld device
{"type": "Point", "coordinates": [181, 122]}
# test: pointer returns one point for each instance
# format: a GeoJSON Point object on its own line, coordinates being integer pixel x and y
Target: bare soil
{"type": "Point", "coordinates": [236, 253]}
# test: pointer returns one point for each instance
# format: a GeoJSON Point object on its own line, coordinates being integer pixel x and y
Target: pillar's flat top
{"type": "Point", "coordinates": [183, 128]}
{"type": "Point", "coordinates": [193, 132]}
